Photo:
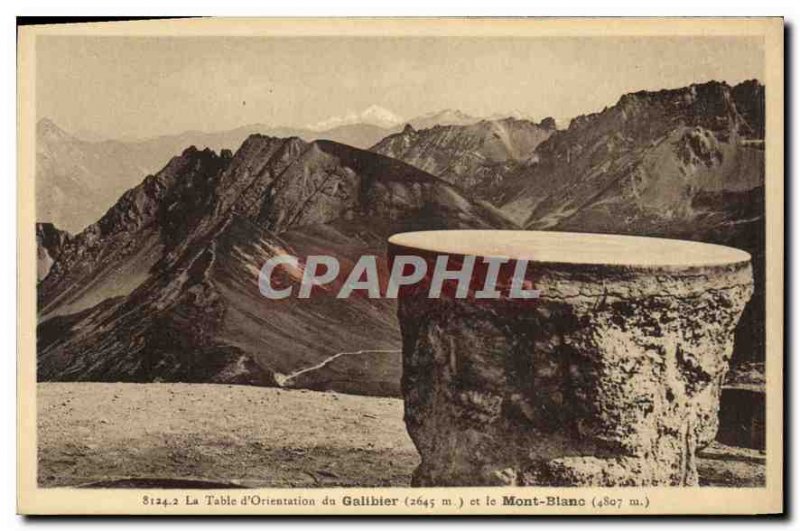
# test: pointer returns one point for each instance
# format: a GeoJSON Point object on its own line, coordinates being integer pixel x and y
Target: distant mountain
{"type": "Point", "coordinates": [476, 157]}
{"type": "Point", "coordinates": [164, 287]}
{"type": "Point", "coordinates": [457, 117]}
{"type": "Point", "coordinates": [357, 135]}
{"type": "Point", "coordinates": [76, 181]}
{"type": "Point", "coordinates": [445, 117]}
{"type": "Point", "coordinates": [372, 115]}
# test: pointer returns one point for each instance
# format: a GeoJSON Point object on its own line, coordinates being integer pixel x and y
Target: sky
{"type": "Point", "coordinates": [138, 87]}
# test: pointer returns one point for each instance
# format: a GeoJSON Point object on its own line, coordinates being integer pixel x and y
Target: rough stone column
{"type": "Point", "coordinates": [611, 377]}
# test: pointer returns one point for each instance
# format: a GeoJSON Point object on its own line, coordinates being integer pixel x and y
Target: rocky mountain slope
{"type": "Point", "coordinates": [685, 163]}
{"type": "Point", "coordinates": [652, 153]}
{"type": "Point", "coordinates": [476, 157]}
{"type": "Point", "coordinates": [164, 287]}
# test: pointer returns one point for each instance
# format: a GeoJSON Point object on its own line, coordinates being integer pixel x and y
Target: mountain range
{"type": "Point", "coordinates": [78, 179]}
{"type": "Point", "coordinates": [685, 163]}
{"type": "Point", "coordinates": [163, 286]}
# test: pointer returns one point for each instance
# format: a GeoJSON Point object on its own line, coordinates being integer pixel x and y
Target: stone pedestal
{"type": "Point", "coordinates": [610, 378]}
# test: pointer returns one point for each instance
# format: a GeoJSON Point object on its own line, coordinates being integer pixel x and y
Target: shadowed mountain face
{"type": "Point", "coordinates": [49, 242]}
{"type": "Point", "coordinates": [476, 157]}
{"type": "Point", "coordinates": [164, 287]}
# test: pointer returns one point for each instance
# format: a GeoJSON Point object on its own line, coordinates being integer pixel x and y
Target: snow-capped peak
{"type": "Point", "coordinates": [373, 115]}
{"type": "Point", "coordinates": [380, 116]}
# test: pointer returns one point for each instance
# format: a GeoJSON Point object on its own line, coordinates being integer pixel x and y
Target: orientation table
{"type": "Point", "coordinates": [611, 376]}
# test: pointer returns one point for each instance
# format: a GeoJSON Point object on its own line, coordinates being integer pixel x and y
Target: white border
{"type": "Point", "coordinates": [318, 8]}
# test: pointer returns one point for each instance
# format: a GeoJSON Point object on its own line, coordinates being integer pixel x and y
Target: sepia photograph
{"type": "Point", "coordinates": [537, 263]}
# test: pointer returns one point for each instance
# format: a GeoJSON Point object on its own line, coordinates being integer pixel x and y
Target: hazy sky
{"type": "Point", "coordinates": [144, 86]}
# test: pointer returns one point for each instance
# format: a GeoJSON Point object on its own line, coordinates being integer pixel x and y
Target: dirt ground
{"type": "Point", "coordinates": [184, 435]}
{"type": "Point", "coordinates": [250, 436]}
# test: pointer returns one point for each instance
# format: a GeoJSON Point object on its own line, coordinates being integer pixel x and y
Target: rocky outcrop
{"type": "Point", "coordinates": [611, 378]}
{"type": "Point", "coordinates": [49, 242]}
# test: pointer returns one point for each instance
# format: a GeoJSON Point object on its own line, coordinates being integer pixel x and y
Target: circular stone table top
{"type": "Point", "coordinates": [572, 248]}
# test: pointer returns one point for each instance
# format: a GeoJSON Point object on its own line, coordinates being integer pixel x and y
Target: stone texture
{"type": "Point", "coordinates": [612, 377]}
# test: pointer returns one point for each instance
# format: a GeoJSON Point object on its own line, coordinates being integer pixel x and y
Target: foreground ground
{"type": "Point", "coordinates": [252, 436]}
{"type": "Point", "coordinates": [162, 434]}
